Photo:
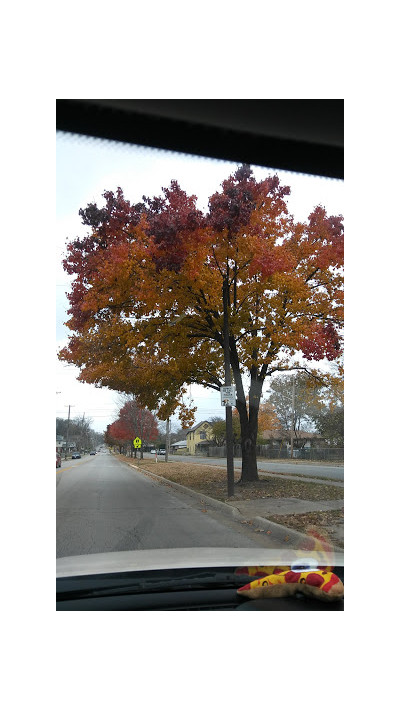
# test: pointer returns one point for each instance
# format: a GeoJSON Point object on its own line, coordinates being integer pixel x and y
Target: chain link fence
{"type": "Point", "coordinates": [327, 454]}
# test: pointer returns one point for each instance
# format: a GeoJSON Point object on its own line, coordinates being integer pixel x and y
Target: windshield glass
{"type": "Point", "coordinates": [199, 354]}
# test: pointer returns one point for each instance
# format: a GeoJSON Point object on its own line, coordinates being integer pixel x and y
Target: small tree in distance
{"type": "Point", "coordinates": [219, 430]}
{"type": "Point", "coordinates": [140, 422]}
{"type": "Point", "coordinates": [133, 421]}
{"type": "Point", "coordinates": [311, 398]}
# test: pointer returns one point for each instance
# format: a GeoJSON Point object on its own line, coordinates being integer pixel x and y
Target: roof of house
{"type": "Point", "coordinates": [181, 443]}
{"type": "Point", "coordinates": [283, 434]}
{"type": "Point", "coordinates": [196, 427]}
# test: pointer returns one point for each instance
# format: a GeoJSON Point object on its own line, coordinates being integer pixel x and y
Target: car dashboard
{"type": "Point", "coordinates": [176, 590]}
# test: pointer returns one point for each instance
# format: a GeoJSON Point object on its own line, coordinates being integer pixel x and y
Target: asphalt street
{"type": "Point", "coordinates": [104, 505]}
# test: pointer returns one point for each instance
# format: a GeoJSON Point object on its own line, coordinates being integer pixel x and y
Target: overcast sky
{"type": "Point", "coordinates": [88, 167]}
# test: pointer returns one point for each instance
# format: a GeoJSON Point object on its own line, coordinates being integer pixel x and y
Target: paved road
{"type": "Point", "coordinates": [285, 467]}
{"type": "Point", "coordinates": [104, 505]}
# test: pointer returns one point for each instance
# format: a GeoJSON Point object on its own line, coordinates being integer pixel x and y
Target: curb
{"type": "Point", "coordinates": [288, 536]}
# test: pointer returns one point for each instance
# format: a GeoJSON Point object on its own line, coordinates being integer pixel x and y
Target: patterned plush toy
{"type": "Point", "coordinates": [282, 582]}
{"type": "Point", "coordinates": [304, 575]}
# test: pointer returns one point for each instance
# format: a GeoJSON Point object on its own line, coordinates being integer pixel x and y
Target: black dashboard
{"type": "Point", "coordinates": [98, 592]}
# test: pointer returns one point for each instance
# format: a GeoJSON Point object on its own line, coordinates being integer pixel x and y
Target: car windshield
{"type": "Point", "coordinates": [199, 354]}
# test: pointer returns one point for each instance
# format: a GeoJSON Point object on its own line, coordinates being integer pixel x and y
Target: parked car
{"type": "Point", "coordinates": [76, 455]}
{"type": "Point", "coordinates": [93, 452]}
{"type": "Point", "coordinates": [153, 451]}
{"type": "Point", "coordinates": [161, 451]}
{"type": "Point", "coordinates": [58, 459]}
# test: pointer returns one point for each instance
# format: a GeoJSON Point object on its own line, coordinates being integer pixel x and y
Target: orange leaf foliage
{"type": "Point", "coordinates": [146, 310]}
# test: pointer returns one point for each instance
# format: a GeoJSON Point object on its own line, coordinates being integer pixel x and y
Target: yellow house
{"type": "Point", "coordinates": [197, 436]}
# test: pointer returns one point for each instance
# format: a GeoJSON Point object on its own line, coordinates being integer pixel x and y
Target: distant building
{"type": "Point", "coordinates": [301, 439]}
{"type": "Point", "coordinates": [181, 445]}
{"type": "Point", "coordinates": [199, 437]}
{"type": "Point", "coordinates": [61, 445]}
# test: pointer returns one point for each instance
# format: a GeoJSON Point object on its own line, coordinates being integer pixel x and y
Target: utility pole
{"type": "Point", "coordinates": [228, 408]}
{"type": "Point", "coordinates": [292, 430]}
{"type": "Point", "coordinates": [167, 439]}
{"type": "Point", "coordinates": [66, 443]}
{"type": "Point", "coordinates": [141, 433]}
{"type": "Point", "coordinates": [83, 430]}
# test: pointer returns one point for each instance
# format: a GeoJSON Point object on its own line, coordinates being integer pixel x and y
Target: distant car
{"type": "Point", "coordinates": [76, 455]}
{"type": "Point", "coordinates": [92, 452]}
{"type": "Point", "coordinates": [58, 459]}
{"type": "Point", "coordinates": [153, 451]}
{"type": "Point", "coordinates": [161, 451]}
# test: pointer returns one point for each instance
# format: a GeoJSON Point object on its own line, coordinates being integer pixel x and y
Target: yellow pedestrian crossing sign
{"type": "Point", "coordinates": [137, 443]}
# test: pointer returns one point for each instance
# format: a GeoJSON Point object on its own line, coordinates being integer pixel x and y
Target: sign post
{"type": "Point", "coordinates": [137, 443]}
{"type": "Point", "coordinates": [228, 396]}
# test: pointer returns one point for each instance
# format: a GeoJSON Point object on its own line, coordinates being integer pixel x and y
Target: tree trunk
{"type": "Point", "coordinates": [248, 419]}
{"type": "Point", "coordinates": [249, 429]}
{"type": "Point", "coordinates": [249, 450]}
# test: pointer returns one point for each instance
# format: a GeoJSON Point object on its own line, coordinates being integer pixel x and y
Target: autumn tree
{"type": "Point", "coordinates": [118, 434]}
{"type": "Point", "coordinates": [218, 425]}
{"type": "Point", "coordinates": [311, 397]}
{"type": "Point", "coordinates": [330, 424]}
{"type": "Point", "coordinates": [139, 422]}
{"type": "Point", "coordinates": [306, 400]}
{"type": "Point", "coordinates": [267, 417]}
{"type": "Point", "coordinates": [267, 420]}
{"type": "Point", "coordinates": [146, 306]}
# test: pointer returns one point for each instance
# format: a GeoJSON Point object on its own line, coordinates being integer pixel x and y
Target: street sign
{"type": "Point", "coordinates": [137, 443]}
{"type": "Point", "coordinates": [228, 395]}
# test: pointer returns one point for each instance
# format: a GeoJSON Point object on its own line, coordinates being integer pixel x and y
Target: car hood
{"type": "Point", "coordinates": [175, 558]}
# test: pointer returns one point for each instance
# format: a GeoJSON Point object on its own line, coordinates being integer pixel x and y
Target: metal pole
{"type": "Point", "coordinates": [141, 434]}
{"type": "Point", "coordinates": [66, 443]}
{"type": "Point", "coordinates": [292, 430]}
{"type": "Point", "coordinates": [167, 440]}
{"type": "Point", "coordinates": [228, 408]}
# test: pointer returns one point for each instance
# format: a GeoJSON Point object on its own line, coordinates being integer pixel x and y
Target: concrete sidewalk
{"type": "Point", "coordinates": [265, 507]}
{"type": "Point", "coordinates": [300, 477]}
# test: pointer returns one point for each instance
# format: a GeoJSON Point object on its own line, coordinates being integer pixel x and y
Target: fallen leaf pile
{"type": "Point", "coordinates": [212, 481]}
{"type": "Point", "coordinates": [325, 521]}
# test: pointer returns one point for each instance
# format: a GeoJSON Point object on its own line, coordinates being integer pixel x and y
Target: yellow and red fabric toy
{"type": "Point", "coordinates": [284, 581]}
{"type": "Point", "coordinates": [305, 576]}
